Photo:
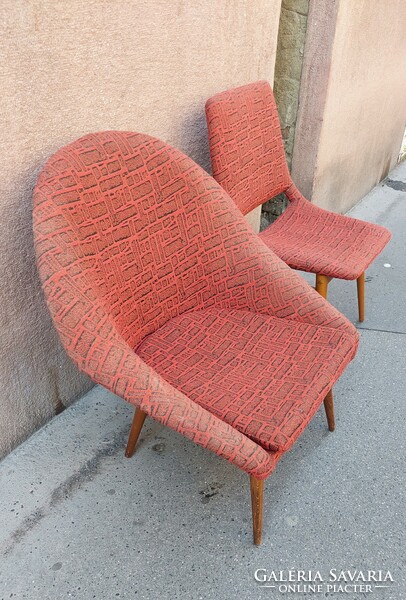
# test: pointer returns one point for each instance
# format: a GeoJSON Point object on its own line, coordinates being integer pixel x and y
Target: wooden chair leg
{"type": "Point", "coordinates": [322, 282]}
{"type": "Point", "coordinates": [138, 422]}
{"type": "Point", "coordinates": [361, 297]}
{"type": "Point", "coordinates": [257, 501]}
{"type": "Point", "coordinates": [329, 407]}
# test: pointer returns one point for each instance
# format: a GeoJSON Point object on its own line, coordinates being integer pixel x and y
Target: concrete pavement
{"type": "Point", "coordinates": [79, 520]}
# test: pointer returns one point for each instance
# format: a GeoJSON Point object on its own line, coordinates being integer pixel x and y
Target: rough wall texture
{"type": "Point", "coordinates": [72, 67]}
{"type": "Point", "coordinates": [288, 70]}
{"type": "Point", "coordinates": [288, 66]}
{"type": "Point", "coordinates": [352, 108]}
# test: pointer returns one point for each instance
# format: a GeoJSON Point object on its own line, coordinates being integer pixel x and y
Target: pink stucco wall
{"type": "Point", "coordinates": [352, 107]}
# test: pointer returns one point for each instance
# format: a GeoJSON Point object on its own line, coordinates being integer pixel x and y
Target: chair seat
{"type": "Point", "coordinates": [263, 375]}
{"type": "Point", "coordinates": [309, 238]}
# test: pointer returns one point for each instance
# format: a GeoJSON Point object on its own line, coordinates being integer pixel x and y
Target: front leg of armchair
{"type": "Point", "coordinates": [257, 501]}
{"type": "Point", "coordinates": [329, 408]}
{"type": "Point", "coordinates": [138, 422]}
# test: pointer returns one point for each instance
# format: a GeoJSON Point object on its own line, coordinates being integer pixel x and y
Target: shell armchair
{"type": "Point", "coordinates": [248, 161]}
{"type": "Point", "coordinates": [162, 293]}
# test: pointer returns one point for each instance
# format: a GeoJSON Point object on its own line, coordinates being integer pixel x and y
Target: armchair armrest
{"type": "Point", "coordinates": [103, 355]}
{"type": "Point", "coordinates": [257, 279]}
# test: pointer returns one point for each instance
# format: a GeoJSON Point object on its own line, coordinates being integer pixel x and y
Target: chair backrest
{"type": "Point", "coordinates": [134, 225]}
{"type": "Point", "coordinates": [248, 159]}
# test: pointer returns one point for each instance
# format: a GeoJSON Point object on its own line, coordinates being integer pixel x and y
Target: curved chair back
{"type": "Point", "coordinates": [131, 223]}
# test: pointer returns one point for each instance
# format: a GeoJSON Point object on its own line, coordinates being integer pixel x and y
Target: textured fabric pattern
{"type": "Point", "coordinates": [344, 248]}
{"type": "Point", "coordinates": [130, 234]}
{"type": "Point", "coordinates": [246, 146]}
{"type": "Point", "coordinates": [248, 160]}
{"type": "Point", "coordinates": [263, 375]}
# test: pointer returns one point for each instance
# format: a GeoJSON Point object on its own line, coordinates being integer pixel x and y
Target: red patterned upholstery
{"type": "Point", "coordinates": [263, 375]}
{"type": "Point", "coordinates": [249, 162]}
{"type": "Point", "coordinates": [144, 261]}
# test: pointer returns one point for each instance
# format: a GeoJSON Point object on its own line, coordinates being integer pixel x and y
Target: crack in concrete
{"type": "Point", "coordinates": [87, 472]}
{"type": "Point", "coordinates": [380, 330]}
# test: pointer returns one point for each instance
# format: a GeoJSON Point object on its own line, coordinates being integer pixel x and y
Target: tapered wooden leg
{"type": "Point", "coordinates": [329, 406]}
{"type": "Point", "coordinates": [322, 282]}
{"type": "Point", "coordinates": [257, 501]}
{"type": "Point", "coordinates": [361, 297]}
{"type": "Point", "coordinates": [138, 422]}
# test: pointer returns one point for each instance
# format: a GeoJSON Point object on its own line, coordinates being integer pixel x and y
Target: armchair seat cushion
{"type": "Point", "coordinates": [264, 376]}
{"type": "Point", "coordinates": [309, 238]}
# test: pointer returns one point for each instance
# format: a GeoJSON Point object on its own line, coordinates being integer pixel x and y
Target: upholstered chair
{"type": "Point", "coordinates": [162, 293]}
{"type": "Point", "coordinates": [248, 161]}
